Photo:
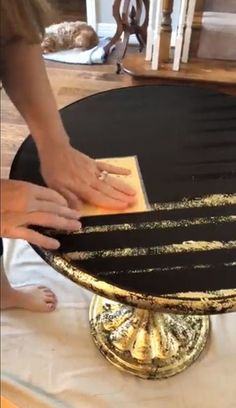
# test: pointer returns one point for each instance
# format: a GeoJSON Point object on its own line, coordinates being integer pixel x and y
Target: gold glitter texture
{"type": "Point", "coordinates": [187, 246]}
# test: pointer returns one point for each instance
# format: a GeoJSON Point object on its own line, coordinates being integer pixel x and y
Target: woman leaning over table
{"type": "Point", "coordinates": [25, 80]}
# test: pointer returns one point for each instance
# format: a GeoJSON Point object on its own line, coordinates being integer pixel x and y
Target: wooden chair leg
{"type": "Point", "coordinates": [124, 46]}
{"type": "Point", "coordinates": [143, 28]}
{"type": "Point", "coordinates": [141, 41]}
{"type": "Point", "coordinates": [125, 13]}
{"type": "Point", "coordinates": [129, 24]}
{"type": "Point", "coordinates": [166, 29]}
{"type": "Point", "coordinates": [135, 26]}
{"type": "Point", "coordinates": [119, 27]}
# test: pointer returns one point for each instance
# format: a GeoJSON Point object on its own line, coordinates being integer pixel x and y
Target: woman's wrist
{"type": "Point", "coordinates": [49, 142]}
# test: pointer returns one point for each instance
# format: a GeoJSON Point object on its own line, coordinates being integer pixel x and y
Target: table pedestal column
{"type": "Point", "coordinates": [148, 344]}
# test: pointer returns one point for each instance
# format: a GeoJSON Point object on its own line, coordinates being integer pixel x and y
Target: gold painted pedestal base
{"type": "Point", "coordinates": [148, 344]}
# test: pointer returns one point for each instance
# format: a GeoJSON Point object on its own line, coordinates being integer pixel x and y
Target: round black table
{"type": "Point", "coordinates": [180, 257]}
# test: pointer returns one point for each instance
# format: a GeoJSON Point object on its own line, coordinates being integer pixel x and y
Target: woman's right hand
{"type": "Point", "coordinates": [24, 204]}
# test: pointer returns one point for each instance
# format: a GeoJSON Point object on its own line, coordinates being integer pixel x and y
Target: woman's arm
{"type": "Point", "coordinates": [26, 82]}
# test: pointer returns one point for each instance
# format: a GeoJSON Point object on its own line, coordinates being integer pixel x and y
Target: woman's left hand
{"type": "Point", "coordinates": [76, 176]}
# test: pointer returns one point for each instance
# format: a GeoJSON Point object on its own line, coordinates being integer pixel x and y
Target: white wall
{"type": "Point", "coordinates": [104, 11]}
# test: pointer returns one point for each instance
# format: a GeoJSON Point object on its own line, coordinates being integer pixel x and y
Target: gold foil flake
{"type": "Point", "coordinates": [107, 228]}
{"type": "Point", "coordinates": [227, 294]}
{"type": "Point", "coordinates": [156, 225]}
{"type": "Point", "coordinates": [194, 246]}
{"type": "Point", "coordinates": [214, 200]}
{"type": "Point", "coordinates": [150, 270]}
{"type": "Point", "coordinates": [162, 269]}
{"type": "Point", "coordinates": [187, 246]}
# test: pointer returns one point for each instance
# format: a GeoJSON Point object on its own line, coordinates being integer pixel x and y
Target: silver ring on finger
{"type": "Point", "coordinates": [103, 175]}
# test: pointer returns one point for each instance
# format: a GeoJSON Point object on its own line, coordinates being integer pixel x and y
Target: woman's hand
{"type": "Point", "coordinates": [64, 169]}
{"type": "Point", "coordinates": [25, 204]}
{"type": "Point", "coordinates": [76, 176]}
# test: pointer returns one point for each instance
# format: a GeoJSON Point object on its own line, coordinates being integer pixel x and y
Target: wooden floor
{"type": "Point", "coordinates": [69, 84]}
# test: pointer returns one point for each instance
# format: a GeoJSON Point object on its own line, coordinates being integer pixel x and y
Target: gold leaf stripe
{"type": "Point", "coordinates": [187, 246]}
{"type": "Point", "coordinates": [214, 200]}
{"type": "Point", "coordinates": [165, 269]}
{"type": "Point", "coordinates": [156, 225]}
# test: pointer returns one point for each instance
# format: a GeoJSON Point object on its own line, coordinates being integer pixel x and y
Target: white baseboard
{"type": "Point", "coordinates": [109, 29]}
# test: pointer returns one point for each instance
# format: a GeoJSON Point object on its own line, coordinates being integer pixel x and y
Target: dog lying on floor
{"type": "Point", "coordinates": [68, 35]}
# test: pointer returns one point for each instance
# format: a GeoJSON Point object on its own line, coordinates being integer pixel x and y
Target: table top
{"type": "Point", "coordinates": [181, 255]}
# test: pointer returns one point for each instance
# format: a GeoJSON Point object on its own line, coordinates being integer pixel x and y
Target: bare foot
{"type": "Point", "coordinates": [36, 299]}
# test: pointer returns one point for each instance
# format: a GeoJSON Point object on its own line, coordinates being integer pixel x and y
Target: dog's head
{"type": "Point", "coordinates": [48, 45]}
{"type": "Point", "coordinates": [86, 38]}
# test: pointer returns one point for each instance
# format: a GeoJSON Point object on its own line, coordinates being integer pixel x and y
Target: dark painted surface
{"type": "Point", "coordinates": [185, 140]}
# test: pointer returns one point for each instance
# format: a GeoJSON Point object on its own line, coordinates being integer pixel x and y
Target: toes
{"type": "Point", "coordinates": [48, 291]}
{"type": "Point", "coordinates": [49, 298]}
{"type": "Point", "coordinates": [45, 289]}
{"type": "Point", "coordinates": [37, 299]}
{"type": "Point", "coordinates": [51, 307]}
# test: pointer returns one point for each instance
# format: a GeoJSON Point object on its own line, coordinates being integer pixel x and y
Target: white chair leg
{"type": "Point", "coordinates": [188, 30]}
{"type": "Point", "coordinates": [179, 39]}
{"type": "Point", "coordinates": [157, 35]}
{"type": "Point", "coordinates": [150, 31]}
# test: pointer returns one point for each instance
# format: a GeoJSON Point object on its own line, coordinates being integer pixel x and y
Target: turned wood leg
{"type": "Point", "coordinates": [119, 26]}
{"type": "Point", "coordinates": [141, 41]}
{"type": "Point", "coordinates": [129, 24]}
